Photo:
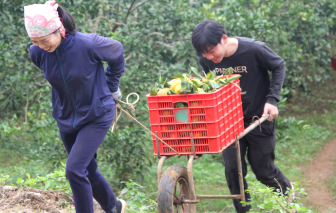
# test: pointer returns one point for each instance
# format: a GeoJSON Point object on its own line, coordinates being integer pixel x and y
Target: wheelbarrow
{"type": "Point", "coordinates": [176, 186]}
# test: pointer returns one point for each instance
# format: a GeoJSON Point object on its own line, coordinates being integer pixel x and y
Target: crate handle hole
{"type": "Point", "coordinates": [180, 104]}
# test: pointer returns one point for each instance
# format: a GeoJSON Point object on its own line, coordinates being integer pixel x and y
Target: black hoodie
{"type": "Point", "coordinates": [253, 59]}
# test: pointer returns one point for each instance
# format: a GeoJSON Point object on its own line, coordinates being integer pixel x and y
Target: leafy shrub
{"type": "Point", "coordinates": [53, 181]}
{"type": "Point", "coordinates": [125, 154]}
{"type": "Point", "coordinates": [264, 199]}
{"type": "Point", "coordinates": [137, 201]}
{"type": "Point", "coordinates": [4, 179]}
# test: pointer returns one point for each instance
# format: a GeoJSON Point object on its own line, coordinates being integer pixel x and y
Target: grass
{"type": "Point", "coordinates": [332, 183]}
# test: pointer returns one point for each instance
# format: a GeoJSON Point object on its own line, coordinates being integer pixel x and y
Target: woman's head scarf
{"type": "Point", "coordinates": [42, 19]}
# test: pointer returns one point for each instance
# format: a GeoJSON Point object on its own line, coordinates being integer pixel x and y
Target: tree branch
{"type": "Point", "coordinates": [37, 76]}
{"type": "Point", "coordinates": [138, 5]}
{"type": "Point", "coordinates": [164, 44]}
{"type": "Point", "coordinates": [3, 91]}
{"type": "Point", "coordinates": [100, 14]}
{"type": "Point", "coordinates": [42, 85]}
{"type": "Point", "coordinates": [284, 208]}
{"type": "Point", "coordinates": [89, 21]}
{"type": "Point", "coordinates": [113, 22]}
{"type": "Point", "coordinates": [159, 34]}
{"type": "Point", "coordinates": [125, 18]}
{"type": "Point", "coordinates": [128, 57]}
{"type": "Point", "coordinates": [6, 100]}
{"type": "Point", "coordinates": [26, 108]}
{"type": "Point", "coordinates": [117, 12]}
{"type": "Point", "coordinates": [5, 73]}
{"type": "Point", "coordinates": [129, 11]}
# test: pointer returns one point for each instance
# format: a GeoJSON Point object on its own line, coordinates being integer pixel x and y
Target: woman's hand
{"type": "Point", "coordinates": [117, 96]}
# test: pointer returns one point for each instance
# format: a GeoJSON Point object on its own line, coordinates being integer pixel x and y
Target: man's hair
{"type": "Point", "coordinates": [207, 34]}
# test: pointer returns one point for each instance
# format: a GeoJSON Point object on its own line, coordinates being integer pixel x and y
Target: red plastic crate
{"type": "Point", "coordinates": [213, 118]}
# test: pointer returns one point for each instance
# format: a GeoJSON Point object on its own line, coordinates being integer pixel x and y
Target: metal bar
{"type": "Point", "coordinates": [193, 145]}
{"type": "Point", "coordinates": [240, 172]}
{"type": "Point", "coordinates": [254, 125]}
{"type": "Point", "coordinates": [190, 201]}
{"type": "Point", "coordinates": [157, 144]}
{"type": "Point", "coordinates": [218, 196]}
{"type": "Point", "coordinates": [191, 178]}
{"type": "Point", "coordinates": [160, 165]}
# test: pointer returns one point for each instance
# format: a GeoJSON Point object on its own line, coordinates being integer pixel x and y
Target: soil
{"type": "Point", "coordinates": [36, 201]}
{"type": "Point", "coordinates": [317, 174]}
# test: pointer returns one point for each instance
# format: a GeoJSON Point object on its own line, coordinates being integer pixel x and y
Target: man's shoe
{"type": "Point", "coordinates": [121, 206]}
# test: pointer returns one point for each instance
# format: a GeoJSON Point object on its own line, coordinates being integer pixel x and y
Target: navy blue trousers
{"type": "Point", "coordinates": [81, 168]}
{"type": "Point", "coordinates": [259, 149]}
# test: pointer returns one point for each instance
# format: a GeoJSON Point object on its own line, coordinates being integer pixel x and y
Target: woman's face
{"type": "Point", "coordinates": [49, 42]}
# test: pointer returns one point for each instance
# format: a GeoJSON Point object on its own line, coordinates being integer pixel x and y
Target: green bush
{"type": "Point", "coordinates": [264, 199]}
{"type": "Point", "coordinates": [137, 201]}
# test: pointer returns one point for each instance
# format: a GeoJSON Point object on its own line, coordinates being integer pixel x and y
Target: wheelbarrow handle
{"type": "Point", "coordinates": [254, 125]}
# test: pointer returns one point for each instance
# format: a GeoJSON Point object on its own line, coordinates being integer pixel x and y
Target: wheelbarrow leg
{"type": "Point", "coordinates": [190, 173]}
{"type": "Point", "coordinates": [240, 172]}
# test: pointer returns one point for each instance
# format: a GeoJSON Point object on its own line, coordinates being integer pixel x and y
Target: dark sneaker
{"type": "Point", "coordinates": [121, 206]}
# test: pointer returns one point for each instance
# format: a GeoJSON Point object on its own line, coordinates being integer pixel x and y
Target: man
{"type": "Point", "coordinates": [252, 59]}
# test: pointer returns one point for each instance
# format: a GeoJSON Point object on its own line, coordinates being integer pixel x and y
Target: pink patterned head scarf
{"type": "Point", "coordinates": [42, 19]}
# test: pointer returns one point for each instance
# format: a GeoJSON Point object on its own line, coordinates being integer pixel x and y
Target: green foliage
{"type": "Point", "coordinates": [284, 124]}
{"type": "Point", "coordinates": [4, 179]}
{"type": "Point", "coordinates": [283, 99]}
{"type": "Point", "coordinates": [53, 181]}
{"type": "Point", "coordinates": [137, 201]}
{"type": "Point", "coordinates": [266, 200]}
{"type": "Point", "coordinates": [287, 28]}
{"type": "Point", "coordinates": [126, 154]}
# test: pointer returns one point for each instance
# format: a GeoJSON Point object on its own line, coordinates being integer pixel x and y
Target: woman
{"type": "Point", "coordinates": [83, 98]}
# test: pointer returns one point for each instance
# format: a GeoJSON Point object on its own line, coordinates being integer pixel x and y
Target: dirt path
{"type": "Point", "coordinates": [318, 172]}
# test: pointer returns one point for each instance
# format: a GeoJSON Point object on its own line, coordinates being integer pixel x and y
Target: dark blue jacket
{"type": "Point", "coordinates": [80, 90]}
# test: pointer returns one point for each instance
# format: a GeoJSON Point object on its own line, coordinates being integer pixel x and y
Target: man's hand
{"type": "Point", "coordinates": [271, 110]}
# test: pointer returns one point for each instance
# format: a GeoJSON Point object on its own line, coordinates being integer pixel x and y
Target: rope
{"type": "Point", "coordinates": [258, 120]}
{"type": "Point", "coordinates": [131, 106]}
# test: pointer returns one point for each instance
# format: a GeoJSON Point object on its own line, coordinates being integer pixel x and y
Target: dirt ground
{"type": "Point", "coordinates": [317, 173]}
{"type": "Point", "coordinates": [13, 200]}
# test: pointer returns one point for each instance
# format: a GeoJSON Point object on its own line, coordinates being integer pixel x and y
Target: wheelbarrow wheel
{"type": "Point", "coordinates": [173, 189]}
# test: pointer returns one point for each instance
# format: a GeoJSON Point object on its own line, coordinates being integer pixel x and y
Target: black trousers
{"type": "Point", "coordinates": [259, 149]}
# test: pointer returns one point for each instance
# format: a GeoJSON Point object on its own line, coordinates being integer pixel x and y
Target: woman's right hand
{"type": "Point", "coordinates": [117, 96]}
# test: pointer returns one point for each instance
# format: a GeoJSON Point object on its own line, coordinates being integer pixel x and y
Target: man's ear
{"type": "Point", "coordinates": [225, 38]}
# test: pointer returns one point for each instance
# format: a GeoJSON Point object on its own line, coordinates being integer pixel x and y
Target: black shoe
{"type": "Point", "coordinates": [121, 206]}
